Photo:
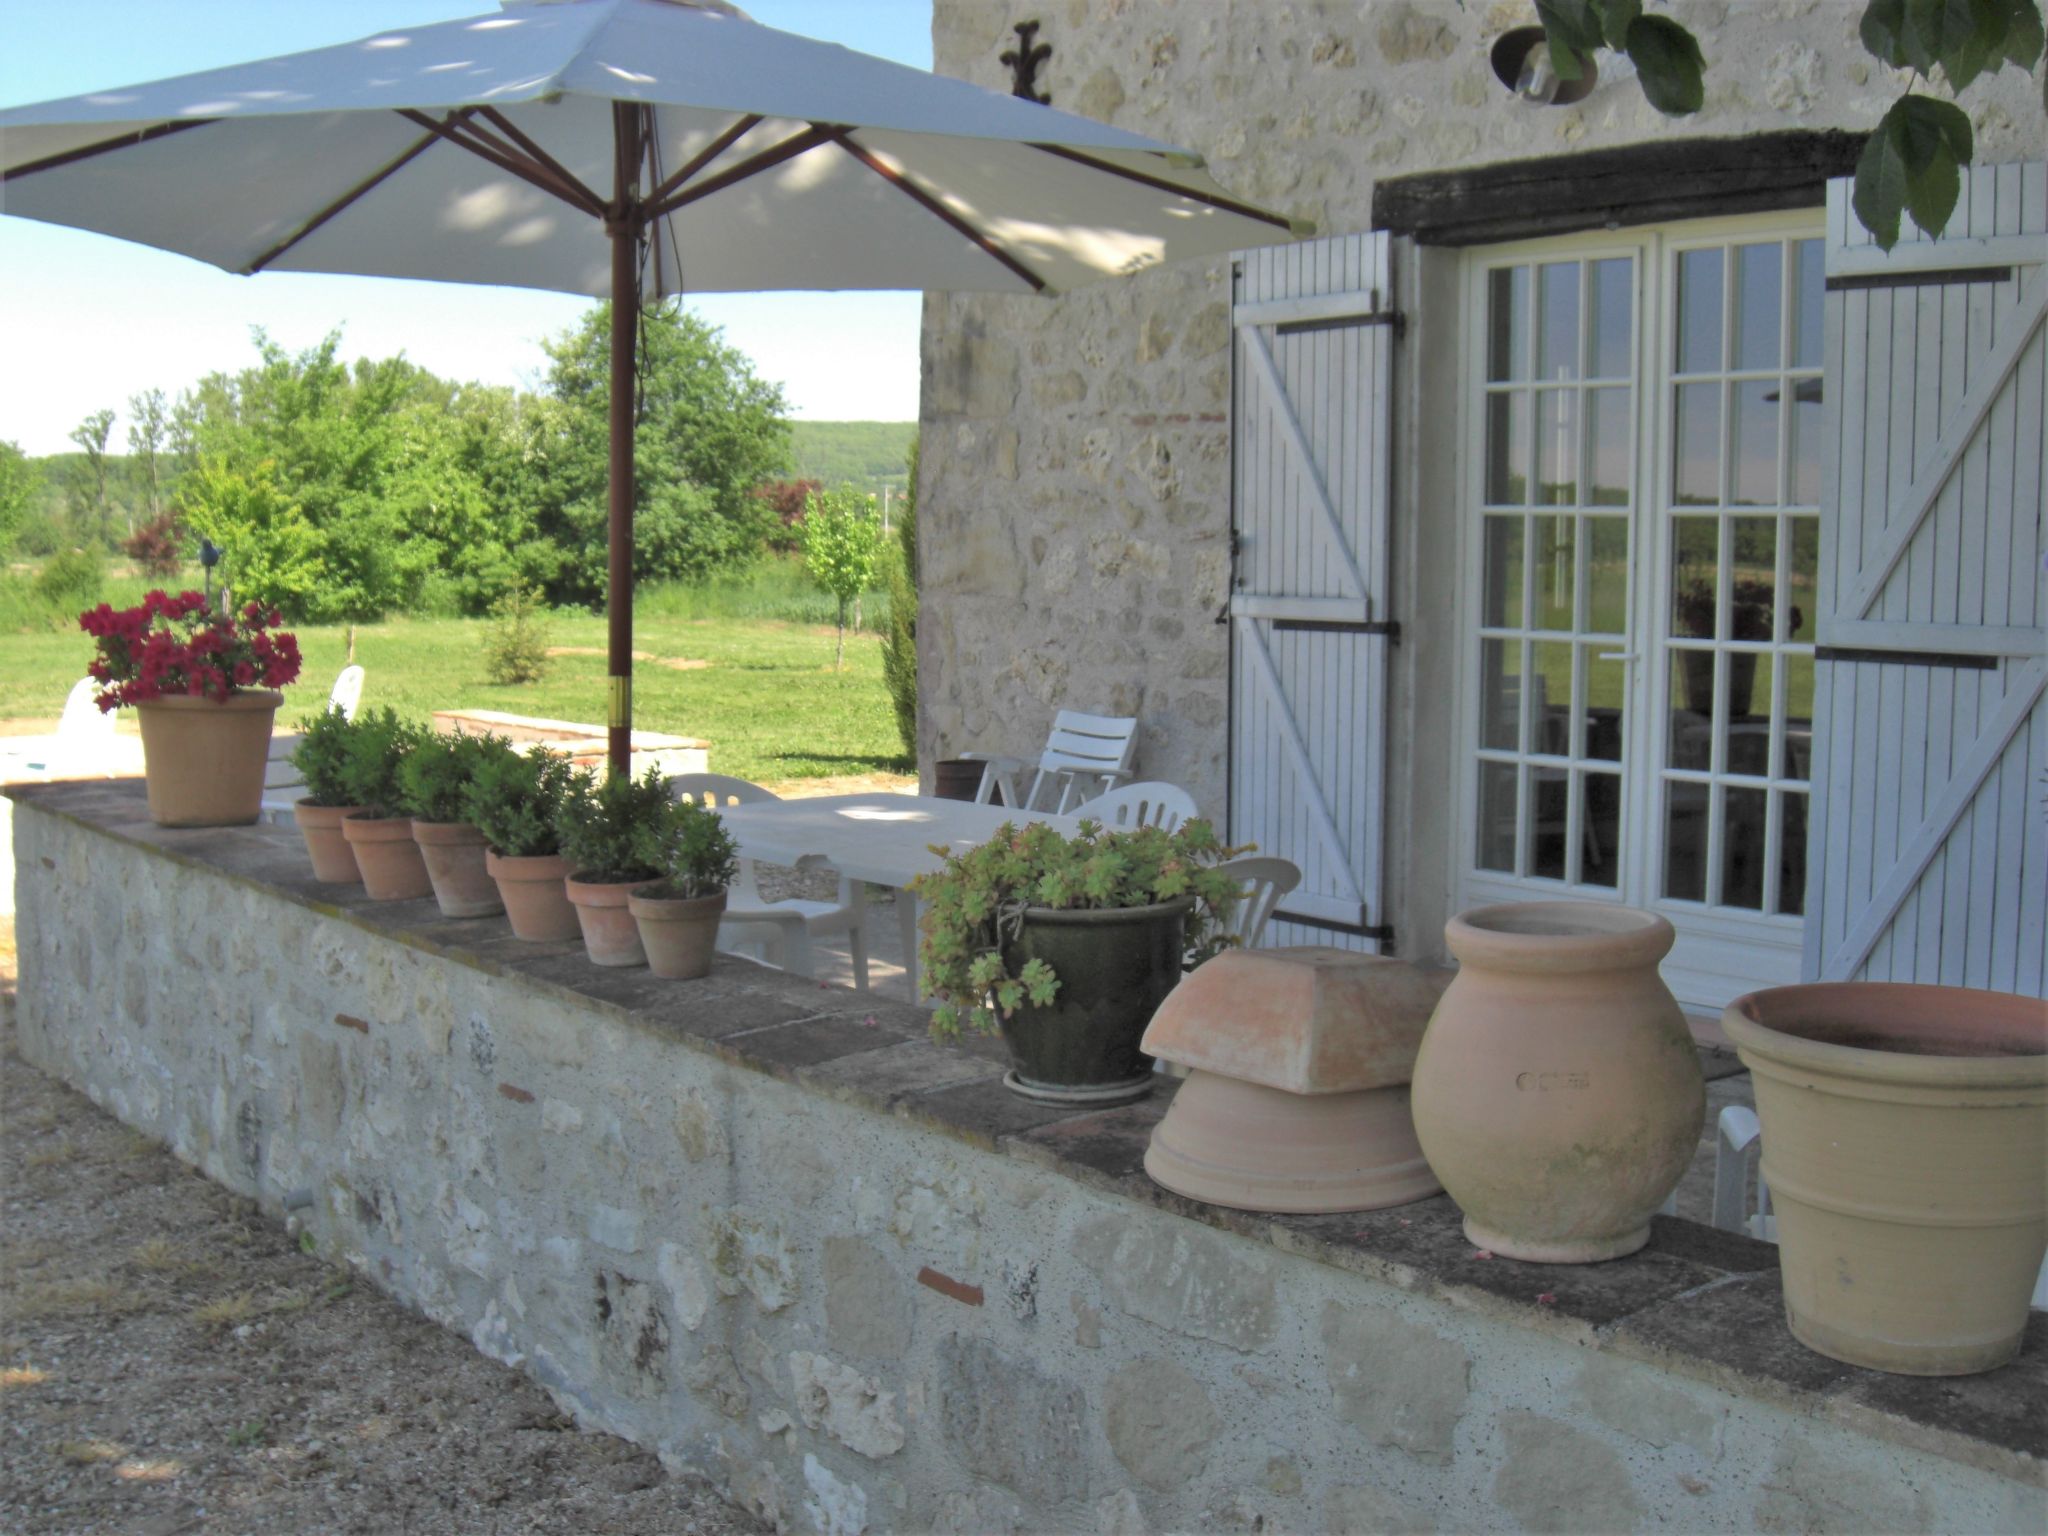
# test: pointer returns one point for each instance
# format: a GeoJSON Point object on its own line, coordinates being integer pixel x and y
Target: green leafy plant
{"type": "Point", "coordinates": [1913, 160]}
{"type": "Point", "coordinates": [977, 902]}
{"type": "Point", "coordinates": [688, 846]}
{"type": "Point", "coordinates": [371, 753]}
{"type": "Point", "coordinates": [320, 755]}
{"type": "Point", "coordinates": [516, 639]}
{"type": "Point", "coordinates": [603, 825]}
{"type": "Point", "coordinates": [842, 544]}
{"type": "Point", "coordinates": [899, 640]}
{"type": "Point", "coordinates": [433, 778]}
{"type": "Point", "coordinates": [515, 800]}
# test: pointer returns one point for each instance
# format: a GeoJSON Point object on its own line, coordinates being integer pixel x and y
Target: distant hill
{"type": "Point", "coordinates": [870, 454]}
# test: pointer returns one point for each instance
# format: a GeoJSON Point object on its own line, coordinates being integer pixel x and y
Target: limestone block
{"type": "Point", "coordinates": [323, 1091]}
{"type": "Point", "coordinates": [848, 1406]}
{"type": "Point", "coordinates": [633, 1334]}
{"type": "Point", "coordinates": [1642, 1403]}
{"type": "Point", "coordinates": [1810, 1489]}
{"type": "Point", "coordinates": [1556, 1478]}
{"type": "Point", "coordinates": [1403, 1383]}
{"type": "Point", "coordinates": [1180, 1278]}
{"type": "Point", "coordinates": [750, 1252]}
{"type": "Point", "coordinates": [867, 1303]}
{"type": "Point", "coordinates": [560, 1117]}
{"type": "Point", "coordinates": [1160, 1423]}
{"type": "Point", "coordinates": [613, 1227]}
{"type": "Point", "coordinates": [1009, 1422]}
{"type": "Point", "coordinates": [836, 1508]}
{"type": "Point", "coordinates": [688, 1288]}
{"type": "Point", "coordinates": [698, 1129]}
{"type": "Point", "coordinates": [541, 1029]}
{"type": "Point", "coordinates": [715, 1376]}
{"type": "Point", "coordinates": [1357, 1509]}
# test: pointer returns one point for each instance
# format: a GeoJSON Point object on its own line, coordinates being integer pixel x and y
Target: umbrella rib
{"type": "Point", "coordinates": [104, 146]}
{"type": "Point", "coordinates": [483, 149]}
{"type": "Point", "coordinates": [360, 189]}
{"type": "Point", "coordinates": [506, 126]}
{"type": "Point", "coordinates": [843, 137]}
{"type": "Point", "coordinates": [704, 157]}
{"type": "Point", "coordinates": [788, 149]}
{"type": "Point", "coordinates": [1110, 168]}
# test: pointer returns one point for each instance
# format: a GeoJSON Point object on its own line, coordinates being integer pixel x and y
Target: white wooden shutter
{"type": "Point", "coordinates": [1929, 854]}
{"type": "Point", "coordinates": [1309, 464]}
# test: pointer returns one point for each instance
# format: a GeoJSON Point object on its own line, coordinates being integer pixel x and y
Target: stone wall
{"type": "Point", "coordinates": [802, 1252]}
{"type": "Point", "coordinates": [1074, 508]}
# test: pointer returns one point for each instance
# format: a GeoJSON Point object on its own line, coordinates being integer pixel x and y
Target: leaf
{"type": "Point", "coordinates": [1616, 17]}
{"type": "Point", "coordinates": [1667, 59]}
{"type": "Point", "coordinates": [1936, 144]}
{"type": "Point", "coordinates": [1883, 30]}
{"type": "Point", "coordinates": [2023, 35]}
{"type": "Point", "coordinates": [1880, 194]}
{"type": "Point", "coordinates": [1572, 30]}
{"type": "Point", "coordinates": [1940, 30]}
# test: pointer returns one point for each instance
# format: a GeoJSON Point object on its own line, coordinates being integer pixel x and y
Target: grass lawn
{"type": "Point", "coordinates": [769, 702]}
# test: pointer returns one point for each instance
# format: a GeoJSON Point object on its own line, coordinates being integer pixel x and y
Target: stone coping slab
{"type": "Point", "coordinates": [1697, 1302]}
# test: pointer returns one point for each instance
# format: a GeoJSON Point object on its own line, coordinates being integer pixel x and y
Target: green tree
{"type": "Point", "coordinates": [148, 437]}
{"type": "Point", "coordinates": [20, 481]}
{"type": "Point", "coordinates": [90, 495]}
{"type": "Point", "coordinates": [274, 555]}
{"type": "Point", "coordinates": [899, 640]}
{"type": "Point", "coordinates": [842, 543]}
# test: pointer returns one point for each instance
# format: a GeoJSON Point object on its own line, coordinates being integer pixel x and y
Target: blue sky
{"type": "Point", "coordinates": [86, 321]}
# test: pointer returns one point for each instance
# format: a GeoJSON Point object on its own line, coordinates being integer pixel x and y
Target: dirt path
{"type": "Point", "coordinates": [171, 1363]}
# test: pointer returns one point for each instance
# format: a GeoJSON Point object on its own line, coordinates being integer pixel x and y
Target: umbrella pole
{"type": "Point", "coordinates": [623, 227]}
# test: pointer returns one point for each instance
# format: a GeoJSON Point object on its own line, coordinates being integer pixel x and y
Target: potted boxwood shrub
{"type": "Point", "coordinates": [433, 784]}
{"type": "Point", "coordinates": [514, 799]}
{"type": "Point", "coordinates": [380, 833]}
{"type": "Point", "coordinates": [604, 825]}
{"type": "Point", "coordinates": [319, 758]}
{"type": "Point", "coordinates": [678, 916]}
{"type": "Point", "coordinates": [204, 686]}
{"type": "Point", "coordinates": [1067, 946]}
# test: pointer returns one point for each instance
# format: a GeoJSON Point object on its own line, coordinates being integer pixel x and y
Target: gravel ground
{"type": "Point", "coordinates": [171, 1363]}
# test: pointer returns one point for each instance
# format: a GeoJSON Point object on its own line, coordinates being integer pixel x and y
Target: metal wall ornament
{"type": "Point", "coordinates": [1025, 60]}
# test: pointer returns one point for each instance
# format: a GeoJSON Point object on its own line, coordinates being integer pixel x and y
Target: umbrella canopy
{"type": "Point", "coordinates": [628, 149]}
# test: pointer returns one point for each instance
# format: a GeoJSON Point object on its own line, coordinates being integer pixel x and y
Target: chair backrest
{"type": "Point", "coordinates": [347, 692]}
{"type": "Point", "coordinates": [1262, 880]}
{"type": "Point", "coordinates": [716, 789]}
{"type": "Point", "coordinates": [1140, 805]}
{"type": "Point", "coordinates": [83, 723]}
{"type": "Point", "coordinates": [1082, 747]}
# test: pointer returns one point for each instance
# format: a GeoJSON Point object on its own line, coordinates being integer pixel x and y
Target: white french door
{"type": "Point", "coordinates": [1641, 501]}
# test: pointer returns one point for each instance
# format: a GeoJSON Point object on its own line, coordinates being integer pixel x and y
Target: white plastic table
{"type": "Point", "coordinates": [883, 839]}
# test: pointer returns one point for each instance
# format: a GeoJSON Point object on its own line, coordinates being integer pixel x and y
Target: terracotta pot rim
{"type": "Point", "coordinates": [360, 828]}
{"type": "Point", "coordinates": [601, 893]}
{"type": "Point", "coordinates": [241, 698]}
{"type": "Point", "coordinates": [305, 808]}
{"type": "Point", "coordinates": [455, 832]}
{"type": "Point", "coordinates": [1771, 1026]}
{"type": "Point", "coordinates": [525, 866]}
{"type": "Point", "coordinates": [1558, 936]}
{"type": "Point", "coordinates": [671, 908]}
{"type": "Point", "coordinates": [1089, 917]}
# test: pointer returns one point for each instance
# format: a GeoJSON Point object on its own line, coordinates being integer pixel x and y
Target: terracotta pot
{"type": "Point", "coordinates": [1557, 1093]}
{"type": "Point", "coordinates": [1115, 967]}
{"type": "Point", "coordinates": [203, 759]}
{"type": "Point", "coordinates": [958, 778]}
{"type": "Point", "coordinates": [1905, 1143]}
{"type": "Point", "coordinates": [388, 857]}
{"type": "Point", "coordinates": [610, 936]}
{"type": "Point", "coordinates": [334, 861]}
{"type": "Point", "coordinates": [679, 933]}
{"type": "Point", "coordinates": [532, 887]}
{"type": "Point", "coordinates": [454, 855]}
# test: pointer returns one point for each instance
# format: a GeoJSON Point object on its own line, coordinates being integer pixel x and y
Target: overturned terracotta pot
{"type": "Point", "coordinates": [388, 857]}
{"type": "Point", "coordinates": [536, 903]}
{"type": "Point", "coordinates": [334, 862]}
{"type": "Point", "coordinates": [454, 855]}
{"type": "Point", "coordinates": [1296, 1097]}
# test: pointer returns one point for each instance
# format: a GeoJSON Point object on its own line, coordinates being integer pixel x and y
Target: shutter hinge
{"type": "Point", "coordinates": [1391, 628]}
{"type": "Point", "coordinates": [1393, 319]}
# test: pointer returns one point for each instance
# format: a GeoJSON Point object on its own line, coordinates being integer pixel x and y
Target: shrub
{"type": "Point", "coordinates": [604, 825]}
{"type": "Point", "coordinates": [515, 800]}
{"type": "Point", "coordinates": [688, 846]}
{"type": "Point", "coordinates": [433, 778]}
{"type": "Point", "coordinates": [899, 636]}
{"type": "Point", "coordinates": [73, 578]}
{"type": "Point", "coordinates": [322, 749]}
{"type": "Point", "coordinates": [516, 639]}
{"type": "Point", "coordinates": [372, 751]}
{"type": "Point", "coordinates": [157, 546]}
{"type": "Point", "coordinates": [842, 543]}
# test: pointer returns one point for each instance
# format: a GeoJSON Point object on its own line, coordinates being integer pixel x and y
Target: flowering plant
{"type": "Point", "coordinates": [170, 646]}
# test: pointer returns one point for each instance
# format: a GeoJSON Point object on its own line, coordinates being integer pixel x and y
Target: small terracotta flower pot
{"type": "Point", "coordinates": [454, 855]}
{"type": "Point", "coordinates": [388, 857]}
{"type": "Point", "coordinates": [532, 888]}
{"type": "Point", "coordinates": [334, 861]}
{"type": "Point", "coordinates": [610, 936]}
{"type": "Point", "coordinates": [679, 933]}
{"type": "Point", "coordinates": [203, 758]}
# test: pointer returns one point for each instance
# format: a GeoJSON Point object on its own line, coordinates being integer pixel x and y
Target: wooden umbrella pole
{"type": "Point", "coordinates": [623, 225]}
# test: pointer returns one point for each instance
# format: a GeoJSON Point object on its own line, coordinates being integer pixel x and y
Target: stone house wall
{"type": "Point", "coordinates": [1074, 508]}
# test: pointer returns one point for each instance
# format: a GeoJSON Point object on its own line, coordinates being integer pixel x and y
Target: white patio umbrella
{"type": "Point", "coordinates": [622, 148]}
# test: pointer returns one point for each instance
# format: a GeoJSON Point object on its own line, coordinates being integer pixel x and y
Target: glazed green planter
{"type": "Point", "coordinates": [1115, 968]}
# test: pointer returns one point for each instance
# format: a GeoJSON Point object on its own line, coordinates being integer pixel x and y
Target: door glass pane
{"type": "Point", "coordinates": [1607, 575]}
{"type": "Point", "coordinates": [1807, 284]}
{"type": "Point", "coordinates": [1507, 448]}
{"type": "Point", "coordinates": [1798, 758]}
{"type": "Point", "coordinates": [1497, 819]}
{"type": "Point", "coordinates": [1557, 346]}
{"type": "Point", "coordinates": [1753, 567]}
{"type": "Point", "coordinates": [1557, 447]}
{"type": "Point", "coordinates": [1804, 574]}
{"type": "Point", "coordinates": [1742, 848]}
{"type": "Point", "coordinates": [1806, 442]}
{"type": "Point", "coordinates": [1759, 285]}
{"type": "Point", "coordinates": [1691, 745]}
{"type": "Point", "coordinates": [1500, 695]}
{"type": "Point", "coordinates": [1555, 572]}
{"type": "Point", "coordinates": [1748, 748]}
{"type": "Point", "coordinates": [1754, 450]}
{"type": "Point", "coordinates": [1792, 854]}
{"type": "Point", "coordinates": [1502, 606]}
{"type": "Point", "coordinates": [1549, 827]}
{"type": "Point", "coordinates": [1600, 828]}
{"type": "Point", "coordinates": [1609, 345]}
{"type": "Point", "coordinates": [1550, 718]}
{"type": "Point", "coordinates": [1606, 706]}
{"type": "Point", "coordinates": [1608, 458]}
{"type": "Point", "coordinates": [1685, 840]}
{"type": "Point", "coordinates": [1699, 311]}
{"type": "Point", "coordinates": [1695, 567]}
{"type": "Point", "coordinates": [1507, 324]}
{"type": "Point", "coordinates": [1696, 445]}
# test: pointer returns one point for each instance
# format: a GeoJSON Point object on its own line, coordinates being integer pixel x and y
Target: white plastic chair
{"type": "Point", "coordinates": [1080, 748]}
{"type": "Point", "coordinates": [1262, 880]}
{"type": "Point", "coordinates": [782, 930]}
{"type": "Point", "coordinates": [83, 744]}
{"type": "Point", "coordinates": [347, 692]}
{"type": "Point", "coordinates": [1140, 805]}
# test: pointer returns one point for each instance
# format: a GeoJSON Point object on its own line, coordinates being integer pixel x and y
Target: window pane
{"type": "Point", "coordinates": [1804, 574]}
{"type": "Point", "coordinates": [1607, 575]}
{"type": "Point", "coordinates": [1558, 343]}
{"type": "Point", "coordinates": [1606, 706]}
{"type": "Point", "coordinates": [1798, 763]}
{"type": "Point", "coordinates": [1548, 828]}
{"type": "Point", "coordinates": [1792, 854]}
{"type": "Point", "coordinates": [1759, 296]}
{"type": "Point", "coordinates": [1806, 303]}
{"type": "Point", "coordinates": [1550, 723]}
{"type": "Point", "coordinates": [1502, 607]}
{"type": "Point", "coordinates": [1507, 324]}
{"type": "Point", "coordinates": [1685, 841]}
{"type": "Point", "coordinates": [1695, 566]}
{"type": "Point", "coordinates": [1753, 567]}
{"type": "Point", "coordinates": [1755, 455]}
{"type": "Point", "coordinates": [1557, 447]}
{"type": "Point", "coordinates": [1497, 816]}
{"type": "Point", "coordinates": [1608, 452]}
{"type": "Point", "coordinates": [1507, 449]}
{"type": "Point", "coordinates": [1610, 348]}
{"type": "Point", "coordinates": [1742, 848]}
{"type": "Point", "coordinates": [1556, 540]}
{"type": "Point", "coordinates": [1749, 714]}
{"type": "Point", "coordinates": [1806, 441]}
{"type": "Point", "coordinates": [1699, 311]}
{"type": "Point", "coordinates": [1500, 695]}
{"type": "Point", "coordinates": [1692, 711]}
{"type": "Point", "coordinates": [1696, 449]}
{"type": "Point", "coordinates": [1600, 829]}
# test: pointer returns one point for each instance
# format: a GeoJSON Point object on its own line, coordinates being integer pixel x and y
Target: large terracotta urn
{"type": "Point", "coordinates": [1905, 1145]}
{"type": "Point", "coordinates": [1557, 1093]}
{"type": "Point", "coordinates": [203, 759]}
